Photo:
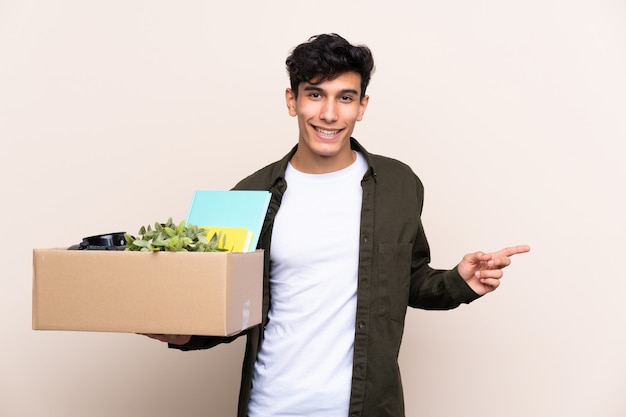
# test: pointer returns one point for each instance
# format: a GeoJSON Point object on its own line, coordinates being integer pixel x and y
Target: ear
{"type": "Point", "coordinates": [362, 107]}
{"type": "Point", "coordinates": [290, 99]}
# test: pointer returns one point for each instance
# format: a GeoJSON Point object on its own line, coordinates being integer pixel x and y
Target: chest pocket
{"type": "Point", "coordinates": [394, 280]}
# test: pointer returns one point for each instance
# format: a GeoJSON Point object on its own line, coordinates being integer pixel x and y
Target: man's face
{"type": "Point", "coordinates": [327, 113]}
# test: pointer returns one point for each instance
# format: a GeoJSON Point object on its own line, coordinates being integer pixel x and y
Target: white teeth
{"type": "Point", "coordinates": [326, 132]}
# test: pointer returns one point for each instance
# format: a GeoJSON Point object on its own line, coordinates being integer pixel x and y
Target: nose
{"type": "Point", "coordinates": [328, 112]}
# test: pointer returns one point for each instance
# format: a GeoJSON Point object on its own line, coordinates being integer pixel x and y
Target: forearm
{"type": "Point", "coordinates": [439, 289]}
{"type": "Point", "coordinates": [203, 342]}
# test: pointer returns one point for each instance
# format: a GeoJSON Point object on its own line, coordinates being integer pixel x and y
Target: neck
{"type": "Point", "coordinates": [319, 164]}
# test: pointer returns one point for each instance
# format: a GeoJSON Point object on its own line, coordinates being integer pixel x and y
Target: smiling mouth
{"type": "Point", "coordinates": [326, 132]}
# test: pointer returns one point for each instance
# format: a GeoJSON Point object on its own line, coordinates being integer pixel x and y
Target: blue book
{"type": "Point", "coordinates": [232, 208]}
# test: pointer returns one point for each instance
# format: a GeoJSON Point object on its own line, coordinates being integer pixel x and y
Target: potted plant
{"type": "Point", "coordinates": [175, 238]}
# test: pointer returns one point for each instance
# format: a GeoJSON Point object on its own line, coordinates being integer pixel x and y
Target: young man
{"type": "Point", "coordinates": [346, 255]}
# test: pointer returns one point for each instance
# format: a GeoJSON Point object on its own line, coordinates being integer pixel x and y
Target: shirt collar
{"type": "Point", "coordinates": [279, 171]}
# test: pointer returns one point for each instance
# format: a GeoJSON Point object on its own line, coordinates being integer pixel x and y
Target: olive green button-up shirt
{"type": "Point", "coordinates": [394, 273]}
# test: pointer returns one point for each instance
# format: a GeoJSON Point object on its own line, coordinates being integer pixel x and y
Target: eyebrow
{"type": "Point", "coordinates": [344, 91]}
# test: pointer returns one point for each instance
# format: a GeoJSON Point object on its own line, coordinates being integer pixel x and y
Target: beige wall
{"type": "Point", "coordinates": [512, 113]}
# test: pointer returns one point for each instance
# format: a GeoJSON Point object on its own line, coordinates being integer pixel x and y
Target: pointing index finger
{"type": "Point", "coordinates": [512, 250]}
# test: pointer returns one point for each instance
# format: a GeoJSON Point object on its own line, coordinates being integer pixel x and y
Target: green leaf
{"type": "Point", "coordinates": [180, 229]}
{"type": "Point", "coordinates": [141, 243]}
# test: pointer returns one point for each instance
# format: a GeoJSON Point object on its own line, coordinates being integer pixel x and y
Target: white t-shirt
{"type": "Point", "coordinates": [304, 366]}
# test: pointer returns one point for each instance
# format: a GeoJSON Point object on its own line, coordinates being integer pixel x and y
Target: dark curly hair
{"type": "Point", "coordinates": [327, 56]}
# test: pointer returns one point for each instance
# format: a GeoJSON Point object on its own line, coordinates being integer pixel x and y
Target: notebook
{"type": "Point", "coordinates": [233, 239]}
{"type": "Point", "coordinates": [232, 208]}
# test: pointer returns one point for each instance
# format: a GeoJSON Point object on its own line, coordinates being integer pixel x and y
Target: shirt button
{"type": "Point", "coordinates": [361, 325]}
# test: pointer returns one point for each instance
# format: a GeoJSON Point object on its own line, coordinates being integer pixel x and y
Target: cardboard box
{"type": "Point", "coordinates": [210, 293]}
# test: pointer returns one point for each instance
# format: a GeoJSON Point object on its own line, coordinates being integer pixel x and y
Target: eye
{"type": "Point", "coordinates": [315, 95]}
{"type": "Point", "coordinates": [346, 99]}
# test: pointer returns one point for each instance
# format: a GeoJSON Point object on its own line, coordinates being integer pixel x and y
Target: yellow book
{"type": "Point", "coordinates": [234, 239]}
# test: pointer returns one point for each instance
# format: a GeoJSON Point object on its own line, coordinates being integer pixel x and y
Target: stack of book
{"type": "Point", "coordinates": [235, 217]}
